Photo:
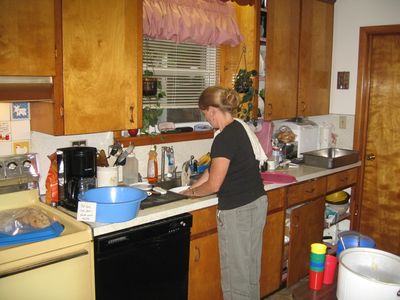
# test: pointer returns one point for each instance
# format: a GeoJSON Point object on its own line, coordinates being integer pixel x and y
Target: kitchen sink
{"type": "Point", "coordinates": [331, 157]}
{"type": "Point", "coordinates": [170, 196]}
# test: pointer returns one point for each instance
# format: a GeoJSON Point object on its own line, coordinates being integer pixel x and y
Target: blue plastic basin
{"type": "Point", "coordinates": [352, 239]}
{"type": "Point", "coordinates": [115, 203]}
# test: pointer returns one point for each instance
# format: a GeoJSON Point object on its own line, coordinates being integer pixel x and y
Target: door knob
{"type": "Point", "coordinates": [370, 156]}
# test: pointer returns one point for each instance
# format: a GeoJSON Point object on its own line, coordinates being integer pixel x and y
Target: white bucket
{"type": "Point", "coordinates": [366, 273]}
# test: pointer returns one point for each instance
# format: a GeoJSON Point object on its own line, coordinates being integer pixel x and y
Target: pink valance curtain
{"type": "Point", "coordinates": [204, 22]}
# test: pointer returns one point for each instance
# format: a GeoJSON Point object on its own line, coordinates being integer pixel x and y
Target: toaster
{"type": "Point", "coordinates": [307, 134]}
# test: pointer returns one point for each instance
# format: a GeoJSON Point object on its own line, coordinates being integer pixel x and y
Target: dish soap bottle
{"type": "Point", "coordinates": [152, 165]}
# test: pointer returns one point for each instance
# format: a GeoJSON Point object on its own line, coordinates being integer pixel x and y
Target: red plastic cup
{"type": "Point", "coordinates": [316, 279]}
{"type": "Point", "coordinates": [330, 269]}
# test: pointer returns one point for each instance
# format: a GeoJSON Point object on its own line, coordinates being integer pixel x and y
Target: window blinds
{"type": "Point", "coordinates": [185, 70]}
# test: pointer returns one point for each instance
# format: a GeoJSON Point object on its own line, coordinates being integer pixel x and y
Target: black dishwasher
{"type": "Point", "coordinates": [150, 261]}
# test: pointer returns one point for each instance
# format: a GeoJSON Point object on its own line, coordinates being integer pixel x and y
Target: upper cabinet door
{"type": "Point", "coordinates": [282, 56]}
{"type": "Point", "coordinates": [102, 42]}
{"type": "Point", "coordinates": [27, 39]}
{"type": "Point", "coordinates": [315, 57]}
{"type": "Point", "coordinates": [298, 58]}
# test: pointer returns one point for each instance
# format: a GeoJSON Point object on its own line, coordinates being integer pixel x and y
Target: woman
{"type": "Point", "coordinates": [242, 202]}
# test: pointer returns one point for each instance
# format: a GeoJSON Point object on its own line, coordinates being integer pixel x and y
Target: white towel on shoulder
{"type": "Point", "coordinates": [255, 144]}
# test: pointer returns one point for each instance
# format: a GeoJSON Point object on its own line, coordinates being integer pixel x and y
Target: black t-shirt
{"type": "Point", "coordinates": [242, 183]}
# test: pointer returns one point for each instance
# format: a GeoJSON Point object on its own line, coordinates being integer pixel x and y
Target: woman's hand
{"type": "Point", "coordinates": [211, 181]}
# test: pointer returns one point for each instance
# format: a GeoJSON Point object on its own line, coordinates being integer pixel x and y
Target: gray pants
{"type": "Point", "coordinates": [240, 233]}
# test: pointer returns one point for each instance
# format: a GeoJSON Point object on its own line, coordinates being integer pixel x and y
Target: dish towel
{"type": "Point", "coordinates": [255, 144]}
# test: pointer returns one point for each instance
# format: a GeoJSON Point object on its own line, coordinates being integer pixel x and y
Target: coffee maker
{"type": "Point", "coordinates": [76, 174]}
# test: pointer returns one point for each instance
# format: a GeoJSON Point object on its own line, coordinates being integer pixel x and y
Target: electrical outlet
{"type": "Point", "coordinates": [342, 122]}
{"type": "Point", "coordinates": [80, 143]}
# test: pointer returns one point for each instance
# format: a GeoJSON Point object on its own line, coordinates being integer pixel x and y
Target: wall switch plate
{"type": "Point", "coordinates": [81, 143]}
{"type": "Point", "coordinates": [342, 122]}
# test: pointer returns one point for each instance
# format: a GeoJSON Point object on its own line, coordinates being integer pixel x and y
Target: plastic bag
{"type": "Point", "coordinates": [52, 180]}
{"type": "Point", "coordinates": [23, 220]}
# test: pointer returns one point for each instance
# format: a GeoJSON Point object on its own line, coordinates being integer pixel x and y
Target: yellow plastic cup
{"type": "Point", "coordinates": [318, 248]}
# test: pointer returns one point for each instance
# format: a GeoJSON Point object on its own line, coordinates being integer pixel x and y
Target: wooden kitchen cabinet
{"type": "Point", "coordinates": [341, 180]}
{"type": "Point", "coordinates": [27, 38]}
{"type": "Point", "coordinates": [204, 267]}
{"type": "Point", "coordinates": [315, 60]}
{"type": "Point", "coordinates": [97, 86]}
{"type": "Point", "coordinates": [306, 203]}
{"type": "Point", "coordinates": [298, 58]}
{"type": "Point", "coordinates": [308, 190]}
{"type": "Point", "coordinates": [306, 227]}
{"type": "Point", "coordinates": [271, 260]}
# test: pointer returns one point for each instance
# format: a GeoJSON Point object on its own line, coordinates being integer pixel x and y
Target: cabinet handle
{"type": "Point", "coordinates": [44, 263]}
{"type": "Point", "coordinates": [270, 109]}
{"type": "Point", "coordinates": [303, 104]}
{"type": "Point", "coordinates": [131, 110]}
{"type": "Point", "coordinates": [371, 156]}
{"type": "Point", "coordinates": [310, 191]}
{"type": "Point", "coordinates": [295, 224]}
{"type": "Point", "coordinates": [197, 257]}
{"type": "Point", "coordinates": [343, 179]}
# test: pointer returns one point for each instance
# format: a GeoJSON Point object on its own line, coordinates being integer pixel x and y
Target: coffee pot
{"type": "Point", "coordinates": [76, 174]}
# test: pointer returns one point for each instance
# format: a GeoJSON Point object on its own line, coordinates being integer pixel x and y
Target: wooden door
{"type": "Point", "coordinates": [378, 139]}
{"type": "Point", "coordinates": [27, 38]}
{"type": "Point", "coordinates": [204, 269]}
{"type": "Point", "coordinates": [282, 55]}
{"type": "Point", "coordinates": [306, 227]}
{"type": "Point", "coordinates": [101, 65]}
{"type": "Point", "coordinates": [315, 58]}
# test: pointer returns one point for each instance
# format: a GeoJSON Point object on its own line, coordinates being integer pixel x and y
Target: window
{"type": "Point", "coordinates": [185, 70]}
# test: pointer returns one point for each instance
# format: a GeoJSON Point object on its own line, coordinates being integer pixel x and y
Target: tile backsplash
{"type": "Point", "coordinates": [16, 137]}
{"type": "Point", "coordinates": [15, 129]}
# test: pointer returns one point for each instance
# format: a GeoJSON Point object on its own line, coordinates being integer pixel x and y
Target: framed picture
{"type": "Point", "coordinates": [20, 111]}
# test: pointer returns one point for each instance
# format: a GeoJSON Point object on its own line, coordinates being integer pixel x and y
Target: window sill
{"type": "Point", "coordinates": [143, 140]}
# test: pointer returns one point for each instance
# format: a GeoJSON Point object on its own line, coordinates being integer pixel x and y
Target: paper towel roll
{"type": "Point", "coordinates": [325, 134]}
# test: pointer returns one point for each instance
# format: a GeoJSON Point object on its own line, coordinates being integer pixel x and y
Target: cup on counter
{"type": "Point", "coordinates": [107, 176]}
{"type": "Point", "coordinates": [271, 164]}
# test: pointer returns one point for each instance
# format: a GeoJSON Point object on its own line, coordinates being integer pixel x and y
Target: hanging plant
{"type": "Point", "coordinates": [244, 80]}
{"type": "Point", "coordinates": [243, 84]}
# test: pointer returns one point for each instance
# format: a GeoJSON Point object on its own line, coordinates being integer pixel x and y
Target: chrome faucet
{"type": "Point", "coordinates": [167, 154]}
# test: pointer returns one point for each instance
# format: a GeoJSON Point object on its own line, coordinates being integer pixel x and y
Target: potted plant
{"type": "Point", "coordinates": [151, 112]}
{"type": "Point", "coordinates": [149, 83]}
{"type": "Point", "coordinates": [244, 85]}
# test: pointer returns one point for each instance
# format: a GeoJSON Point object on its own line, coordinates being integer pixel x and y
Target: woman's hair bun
{"type": "Point", "coordinates": [231, 99]}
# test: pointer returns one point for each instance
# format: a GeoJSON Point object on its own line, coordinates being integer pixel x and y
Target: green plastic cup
{"type": "Point", "coordinates": [317, 258]}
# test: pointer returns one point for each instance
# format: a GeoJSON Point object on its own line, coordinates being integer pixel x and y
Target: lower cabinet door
{"type": "Point", "coordinates": [271, 260]}
{"type": "Point", "coordinates": [204, 268]}
{"type": "Point", "coordinates": [306, 227]}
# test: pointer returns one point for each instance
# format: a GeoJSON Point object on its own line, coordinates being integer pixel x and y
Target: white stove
{"type": "Point", "coordinates": [60, 267]}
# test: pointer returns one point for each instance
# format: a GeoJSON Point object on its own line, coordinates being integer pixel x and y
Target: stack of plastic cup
{"type": "Point", "coordinates": [317, 264]}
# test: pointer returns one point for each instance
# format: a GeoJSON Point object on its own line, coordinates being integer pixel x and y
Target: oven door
{"type": "Point", "coordinates": [61, 274]}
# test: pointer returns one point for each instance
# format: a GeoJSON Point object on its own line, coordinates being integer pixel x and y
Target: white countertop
{"type": "Point", "coordinates": [302, 173]}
